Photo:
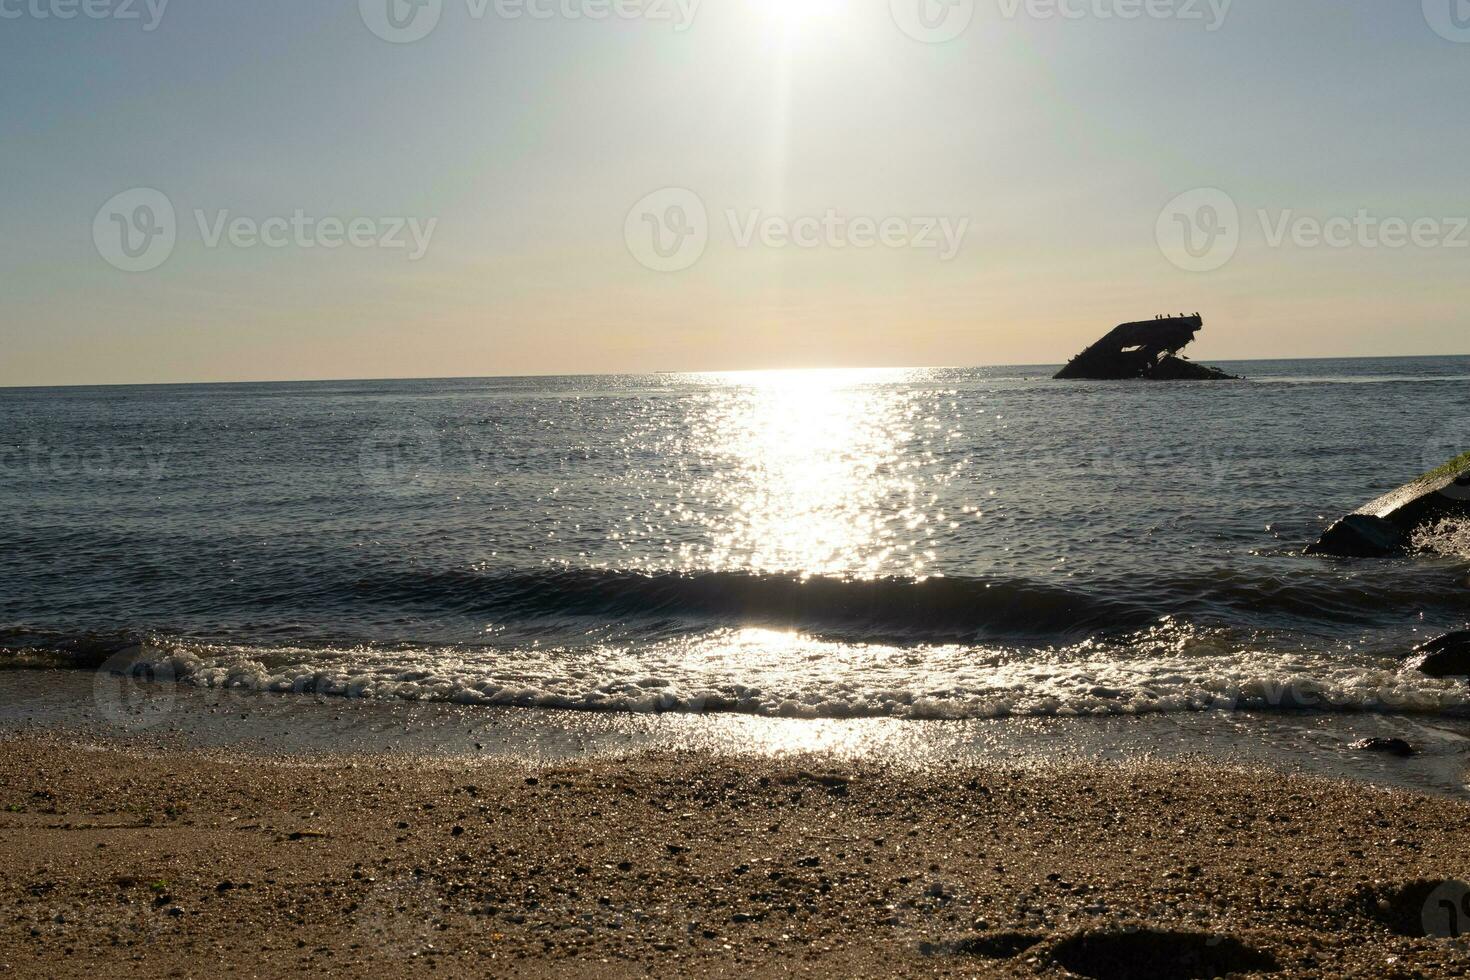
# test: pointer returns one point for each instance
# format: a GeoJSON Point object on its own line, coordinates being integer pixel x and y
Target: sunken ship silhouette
{"type": "Point", "coordinates": [1145, 349]}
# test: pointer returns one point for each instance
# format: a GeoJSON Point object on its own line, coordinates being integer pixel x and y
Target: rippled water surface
{"type": "Point", "coordinates": [913, 543]}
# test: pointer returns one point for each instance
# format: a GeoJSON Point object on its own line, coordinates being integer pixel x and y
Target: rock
{"type": "Point", "coordinates": [1383, 526]}
{"type": "Point", "coordinates": [1361, 536]}
{"type": "Point", "coordinates": [1446, 656]}
{"type": "Point", "coordinates": [1388, 746]}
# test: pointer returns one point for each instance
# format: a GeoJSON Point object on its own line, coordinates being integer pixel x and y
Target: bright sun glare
{"type": "Point", "coordinates": [795, 14]}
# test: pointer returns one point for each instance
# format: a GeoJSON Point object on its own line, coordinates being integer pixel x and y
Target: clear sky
{"type": "Point", "coordinates": [520, 148]}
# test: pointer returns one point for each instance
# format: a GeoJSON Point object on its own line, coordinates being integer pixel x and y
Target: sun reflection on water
{"type": "Point", "coordinates": [814, 473]}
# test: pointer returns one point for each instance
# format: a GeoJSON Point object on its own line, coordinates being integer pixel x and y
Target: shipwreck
{"type": "Point", "coordinates": [1146, 349]}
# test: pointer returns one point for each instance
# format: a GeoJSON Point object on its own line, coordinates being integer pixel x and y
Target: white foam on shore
{"type": "Point", "coordinates": [772, 674]}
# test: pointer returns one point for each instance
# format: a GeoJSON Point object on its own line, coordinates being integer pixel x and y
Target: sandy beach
{"type": "Point", "coordinates": [125, 860]}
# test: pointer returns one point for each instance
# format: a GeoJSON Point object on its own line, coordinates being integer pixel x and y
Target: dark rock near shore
{"type": "Point", "coordinates": [1384, 526]}
{"type": "Point", "coordinates": [1387, 746]}
{"type": "Point", "coordinates": [1361, 536]}
{"type": "Point", "coordinates": [1447, 656]}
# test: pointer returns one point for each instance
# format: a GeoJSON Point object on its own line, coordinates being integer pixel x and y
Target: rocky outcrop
{"type": "Point", "coordinates": [1385, 525]}
{"type": "Point", "coordinates": [1447, 656]}
{"type": "Point", "coordinates": [1145, 349]}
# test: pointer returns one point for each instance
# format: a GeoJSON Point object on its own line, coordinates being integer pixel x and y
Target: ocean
{"type": "Point", "coordinates": [917, 544]}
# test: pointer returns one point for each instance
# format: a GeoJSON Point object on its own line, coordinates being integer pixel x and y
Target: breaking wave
{"type": "Point", "coordinates": [935, 609]}
{"type": "Point", "coordinates": [1170, 668]}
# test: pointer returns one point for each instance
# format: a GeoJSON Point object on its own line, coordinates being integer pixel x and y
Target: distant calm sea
{"type": "Point", "coordinates": [909, 543]}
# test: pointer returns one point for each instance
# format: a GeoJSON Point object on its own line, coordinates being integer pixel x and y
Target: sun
{"type": "Point", "coordinates": [796, 14]}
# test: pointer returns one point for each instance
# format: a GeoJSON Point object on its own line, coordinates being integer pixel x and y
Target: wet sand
{"type": "Point", "coordinates": [121, 859]}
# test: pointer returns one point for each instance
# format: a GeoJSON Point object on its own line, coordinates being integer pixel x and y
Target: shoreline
{"type": "Point", "coordinates": [1313, 743]}
{"type": "Point", "coordinates": [125, 858]}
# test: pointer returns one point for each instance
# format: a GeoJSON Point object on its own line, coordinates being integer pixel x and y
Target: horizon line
{"type": "Point", "coordinates": [638, 374]}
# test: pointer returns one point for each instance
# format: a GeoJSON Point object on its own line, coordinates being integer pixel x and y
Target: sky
{"type": "Point", "coordinates": [213, 190]}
